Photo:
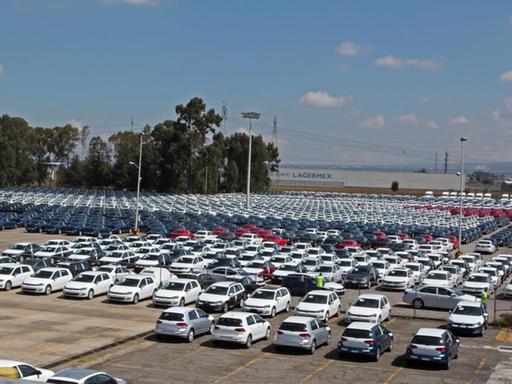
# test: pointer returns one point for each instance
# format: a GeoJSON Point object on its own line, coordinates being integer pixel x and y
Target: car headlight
{"type": "Point", "coordinates": [374, 315]}
{"type": "Point", "coordinates": [83, 289]}
{"type": "Point", "coordinates": [40, 284]}
{"type": "Point", "coordinates": [217, 302]}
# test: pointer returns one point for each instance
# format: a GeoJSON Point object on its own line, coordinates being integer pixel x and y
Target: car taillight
{"type": "Point", "coordinates": [181, 324]}
{"type": "Point", "coordinates": [159, 321]}
{"type": "Point", "coordinates": [343, 339]}
{"type": "Point", "coordinates": [241, 330]}
{"type": "Point", "coordinates": [279, 332]}
{"type": "Point", "coordinates": [305, 335]}
{"type": "Point", "coordinates": [370, 342]}
{"type": "Point", "coordinates": [412, 346]}
{"type": "Point", "coordinates": [441, 349]}
{"type": "Point", "coordinates": [216, 327]}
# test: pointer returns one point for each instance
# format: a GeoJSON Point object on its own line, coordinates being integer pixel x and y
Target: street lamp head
{"type": "Point", "coordinates": [462, 139]}
{"type": "Point", "coordinates": [132, 163]}
{"type": "Point", "coordinates": [251, 115]}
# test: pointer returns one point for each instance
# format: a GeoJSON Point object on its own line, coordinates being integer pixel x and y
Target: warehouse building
{"type": "Point", "coordinates": [336, 179]}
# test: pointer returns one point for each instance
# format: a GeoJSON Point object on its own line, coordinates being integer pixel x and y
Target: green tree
{"type": "Point", "coordinates": [73, 175]}
{"type": "Point", "coordinates": [97, 167]}
{"type": "Point", "coordinates": [394, 186]}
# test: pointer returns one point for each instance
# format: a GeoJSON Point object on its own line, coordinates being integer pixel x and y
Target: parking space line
{"type": "Point", "coordinates": [51, 347]}
{"type": "Point", "coordinates": [393, 375]}
{"type": "Point", "coordinates": [120, 365]}
{"type": "Point", "coordinates": [241, 368]}
{"type": "Point", "coordinates": [483, 360]}
{"type": "Point", "coordinates": [503, 335]}
{"type": "Point", "coordinates": [186, 355]}
{"type": "Point", "coordinates": [317, 371]}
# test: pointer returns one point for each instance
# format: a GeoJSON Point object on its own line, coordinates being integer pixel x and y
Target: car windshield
{"type": "Point", "coordinates": [361, 270]}
{"type": "Point", "coordinates": [287, 267]}
{"type": "Point", "coordinates": [144, 250]}
{"type": "Point", "coordinates": [324, 268]}
{"type": "Point", "coordinates": [489, 272]}
{"type": "Point", "coordinates": [47, 249]}
{"type": "Point", "coordinates": [278, 259]}
{"type": "Point", "coordinates": [229, 322]}
{"type": "Point", "coordinates": [292, 327]}
{"type": "Point", "coordinates": [84, 278]}
{"type": "Point", "coordinates": [426, 340]}
{"type": "Point", "coordinates": [105, 269]}
{"type": "Point", "coordinates": [246, 257]}
{"type": "Point", "coordinates": [397, 273]}
{"type": "Point", "coordinates": [357, 333]}
{"type": "Point", "coordinates": [345, 263]}
{"type": "Point", "coordinates": [366, 303]}
{"type": "Point", "coordinates": [256, 264]}
{"type": "Point", "coordinates": [217, 290]}
{"type": "Point", "coordinates": [185, 260]}
{"type": "Point", "coordinates": [297, 256]}
{"type": "Point", "coordinates": [6, 270]}
{"type": "Point", "coordinates": [315, 299]}
{"type": "Point", "coordinates": [478, 279]}
{"type": "Point", "coordinates": [41, 274]}
{"type": "Point", "coordinates": [266, 253]}
{"type": "Point", "coordinates": [171, 316]}
{"type": "Point", "coordinates": [437, 276]}
{"type": "Point", "coordinates": [18, 247]}
{"type": "Point", "coordinates": [83, 251]}
{"type": "Point", "coordinates": [310, 262]}
{"type": "Point", "coordinates": [130, 283]}
{"type": "Point", "coordinates": [174, 286]}
{"type": "Point", "coordinates": [265, 295]}
{"type": "Point", "coordinates": [469, 311]}
{"type": "Point", "coordinates": [413, 267]}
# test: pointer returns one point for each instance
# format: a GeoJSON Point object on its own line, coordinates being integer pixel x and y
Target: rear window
{"type": "Point", "coordinates": [357, 333]}
{"type": "Point", "coordinates": [426, 340]}
{"type": "Point", "coordinates": [170, 316]}
{"type": "Point", "coordinates": [293, 327]}
{"type": "Point", "coordinates": [56, 381]}
{"type": "Point", "coordinates": [229, 322]}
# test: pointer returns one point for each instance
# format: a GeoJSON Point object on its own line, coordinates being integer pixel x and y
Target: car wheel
{"type": "Point", "coordinates": [287, 309]}
{"type": "Point", "coordinates": [21, 259]}
{"type": "Point", "coordinates": [182, 302]}
{"type": "Point", "coordinates": [273, 312]}
{"type": "Point", "coordinates": [418, 303]}
{"type": "Point", "coordinates": [248, 342]}
{"type": "Point", "coordinates": [225, 308]}
{"type": "Point", "coordinates": [377, 355]}
{"type": "Point", "coordinates": [328, 339]}
{"type": "Point", "coordinates": [190, 336]}
{"type": "Point", "coordinates": [448, 363]}
{"type": "Point", "coordinates": [267, 334]}
{"type": "Point", "coordinates": [212, 328]}
{"type": "Point", "coordinates": [326, 316]}
{"type": "Point", "coordinates": [135, 298]}
{"type": "Point", "coordinates": [338, 312]}
{"type": "Point", "coordinates": [90, 294]}
{"type": "Point", "coordinates": [390, 348]}
{"type": "Point", "coordinates": [48, 290]}
{"type": "Point", "coordinates": [8, 286]}
{"type": "Point", "coordinates": [312, 349]}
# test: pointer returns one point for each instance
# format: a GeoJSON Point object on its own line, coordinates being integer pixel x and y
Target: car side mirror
{"type": "Point", "coordinates": [390, 334]}
{"type": "Point", "coordinates": [457, 341]}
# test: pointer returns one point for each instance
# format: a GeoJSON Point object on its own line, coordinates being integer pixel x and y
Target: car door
{"type": "Point", "coordinates": [232, 301]}
{"type": "Point", "coordinates": [203, 320]}
{"type": "Point", "coordinates": [103, 283]}
{"type": "Point", "coordinates": [333, 305]}
{"type": "Point", "coordinates": [317, 332]}
{"type": "Point", "coordinates": [27, 372]}
{"type": "Point", "coordinates": [188, 293]}
{"type": "Point", "coordinates": [261, 326]}
{"type": "Point", "coordinates": [384, 336]}
{"type": "Point", "coordinates": [17, 277]}
{"type": "Point", "coordinates": [195, 322]}
{"type": "Point", "coordinates": [280, 300]}
{"type": "Point", "coordinates": [445, 298]}
{"type": "Point", "coordinates": [428, 295]}
{"type": "Point", "coordinates": [386, 307]}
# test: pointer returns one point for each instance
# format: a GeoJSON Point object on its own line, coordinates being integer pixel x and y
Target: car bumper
{"type": "Point", "coordinates": [304, 344]}
{"type": "Point", "coordinates": [316, 315]}
{"type": "Point", "coordinates": [32, 289]}
{"type": "Point", "coordinates": [165, 302]}
{"type": "Point", "coordinates": [466, 328]}
{"type": "Point", "coordinates": [175, 332]}
{"type": "Point", "coordinates": [210, 307]}
{"type": "Point", "coordinates": [471, 290]}
{"type": "Point", "coordinates": [354, 283]}
{"type": "Point", "coordinates": [239, 339]}
{"type": "Point", "coordinates": [119, 298]}
{"type": "Point", "coordinates": [356, 351]}
{"type": "Point", "coordinates": [393, 286]}
{"type": "Point", "coordinates": [260, 310]}
{"type": "Point", "coordinates": [441, 358]}
{"type": "Point", "coordinates": [368, 319]}
{"type": "Point", "coordinates": [69, 293]}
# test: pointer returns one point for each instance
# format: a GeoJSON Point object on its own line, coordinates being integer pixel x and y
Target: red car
{"type": "Point", "coordinates": [347, 243]}
{"type": "Point", "coordinates": [241, 231]}
{"type": "Point", "coordinates": [454, 240]}
{"type": "Point", "coordinates": [263, 269]}
{"type": "Point", "coordinates": [275, 239]}
{"type": "Point", "coordinates": [181, 232]}
{"type": "Point", "coordinates": [219, 231]}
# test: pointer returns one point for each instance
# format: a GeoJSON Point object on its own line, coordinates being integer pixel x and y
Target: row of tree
{"type": "Point", "coordinates": [187, 154]}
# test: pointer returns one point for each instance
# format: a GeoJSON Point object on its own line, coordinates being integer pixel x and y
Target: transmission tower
{"type": "Point", "coordinates": [446, 162]}
{"type": "Point", "coordinates": [224, 118]}
{"type": "Point", "coordinates": [275, 143]}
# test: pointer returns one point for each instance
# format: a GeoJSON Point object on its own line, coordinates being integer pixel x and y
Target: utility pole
{"type": "Point", "coordinates": [435, 164]}
{"type": "Point", "coordinates": [224, 118]}
{"type": "Point", "coordinates": [445, 163]}
{"type": "Point", "coordinates": [274, 142]}
{"type": "Point", "coordinates": [131, 123]}
{"type": "Point", "coordinates": [251, 116]}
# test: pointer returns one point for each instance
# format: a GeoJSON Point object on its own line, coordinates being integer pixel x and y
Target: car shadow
{"type": "Point", "coordinates": [357, 359]}
{"type": "Point", "coordinates": [221, 345]}
{"type": "Point", "coordinates": [284, 350]}
{"type": "Point", "coordinates": [402, 362]}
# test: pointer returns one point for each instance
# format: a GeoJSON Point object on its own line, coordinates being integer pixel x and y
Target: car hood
{"type": "Point", "coordinates": [110, 259]}
{"type": "Point", "coordinates": [78, 257]}
{"type": "Point", "coordinates": [121, 289]}
{"type": "Point", "coordinates": [252, 270]}
{"type": "Point", "coordinates": [397, 279]}
{"type": "Point", "coordinates": [311, 307]}
{"type": "Point", "coordinates": [12, 252]}
{"type": "Point", "coordinates": [465, 319]}
{"type": "Point", "coordinates": [36, 280]}
{"type": "Point", "coordinates": [43, 254]}
{"type": "Point", "coordinates": [363, 311]}
{"type": "Point", "coordinates": [182, 265]}
{"type": "Point", "coordinates": [474, 284]}
{"type": "Point", "coordinates": [78, 285]}
{"type": "Point", "coordinates": [168, 293]}
{"type": "Point", "coordinates": [437, 283]}
{"type": "Point", "coordinates": [147, 262]}
{"type": "Point", "coordinates": [259, 302]}
{"type": "Point", "coordinates": [211, 298]}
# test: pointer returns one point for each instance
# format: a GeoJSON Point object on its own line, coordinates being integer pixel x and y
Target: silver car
{"type": "Point", "coordinates": [184, 322]}
{"type": "Point", "coordinates": [302, 332]}
{"type": "Point", "coordinates": [435, 297]}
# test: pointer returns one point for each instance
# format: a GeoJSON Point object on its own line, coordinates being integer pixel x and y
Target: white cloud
{"type": "Point", "coordinates": [424, 100]}
{"type": "Point", "coordinates": [133, 2]}
{"type": "Point", "coordinates": [506, 76]}
{"type": "Point", "coordinates": [2, 72]}
{"type": "Point", "coordinates": [409, 118]}
{"type": "Point", "coordinates": [504, 111]}
{"type": "Point", "coordinates": [392, 62]}
{"type": "Point", "coordinates": [75, 123]}
{"type": "Point", "coordinates": [323, 99]}
{"type": "Point", "coordinates": [348, 48]}
{"type": "Point", "coordinates": [431, 124]}
{"type": "Point", "coordinates": [373, 122]}
{"type": "Point", "coordinates": [459, 120]}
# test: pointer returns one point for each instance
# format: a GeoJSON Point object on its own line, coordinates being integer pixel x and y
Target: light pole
{"type": "Point", "coordinates": [462, 140]}
{"type": "Point", "coordinates": [251, 116]}
{"type": "Point", "coordinates": [139, 178]}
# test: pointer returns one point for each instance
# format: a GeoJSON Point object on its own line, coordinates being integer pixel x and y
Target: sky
{"type": "Point", "coordinates": [350, 82]}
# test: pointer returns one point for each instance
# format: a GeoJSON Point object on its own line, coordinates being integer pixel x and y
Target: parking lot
{"type": "Point", "coordinates": [56, 332]}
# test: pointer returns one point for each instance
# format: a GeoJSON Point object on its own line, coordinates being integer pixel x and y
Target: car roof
{"type": "Point", "coordinates": [236, 315]}
{"type": "Point", "coordinates": [469, 304]}
{"type": "Point", "coordinates": [224, 283]}
{"type": "Point", "coordinates": [361, 325]}
{"type": "Point", "coordinates": [9, 363]}
{"type": "Point", "coordinates": [433, 332]}
{"type": "Point", "coordinates": [93, 273]}
{"type": "Point", "coordinates": [298, 319]}
{"type": "Point", "coordinates": [179, 309]}
{"type": "Point", "coordinates": [321, 292]}
{"type": "Point", "coordinates": [52, 269]}
{"type": "Point", "coordinates": [10, 265]}
{"type": "Point", "coordinates": [181, 280]}
{"type": "Point", "coordinates": [371, 296]}
{"type": "Point", "coordinates": [75, 373]}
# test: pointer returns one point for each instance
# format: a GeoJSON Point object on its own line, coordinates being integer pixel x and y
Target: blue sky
{"type": "Point", "coordinates": [351, 82]}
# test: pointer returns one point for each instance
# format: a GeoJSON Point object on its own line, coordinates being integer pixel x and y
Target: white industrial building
{"type": "Point", "coordinates": [328, 178]}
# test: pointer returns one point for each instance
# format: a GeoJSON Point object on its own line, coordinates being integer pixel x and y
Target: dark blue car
{"type": "Point", "coordinates": [433, 345]}
{"type": "Point", "coordinates": [367, 339]}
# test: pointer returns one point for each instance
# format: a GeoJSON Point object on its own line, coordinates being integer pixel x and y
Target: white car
{"type": "Point", "coordinates": [159, 275]}
{"type": "Point", "coordinates": [177, 292]}
{"type": "Point", "coordinates": [417, 269]}
{"type": "Point", "coordinates": [507, 293]}
{"type": "Point", "coordinates": [321, 304]}
{"type": "Point", "coordinates": [204, 235]}
{"type": "Point", "coordinates": [268, 301]}
{"type": "Point", "coordinates": [246, 258]}
{"type": "Point", "coordinates": [241, 328]}
{"type": "Point", "coordinates": [382, 266]}
{"type": "Point", "coordinates": [188, 264]}
{"type": "Point", "coordinates": [116, 272]}
{"type": "Point", "coordinates": [436, 258]}
{"type": "Point", "coordinates": [311, 263]}
{"type": "Point", "coordinates": [117, 257]}
{"type": "Point", "coordinates": [280, 260]}
{"type": "Point", "coordinates": [13, 275]}
{"type": "Point", "coordinates": [132, 289]}
{"type": "Point", "coordinates": [17, 250]}
{"type": "Point", "coordinates": [446, 242]}
{"type": "Point", "coordinates": [83, 376]}
{"type": "Point", "coordinates": [19, 370]}
{"type": "Point", "coordinates": [252, 249]}
{"type": "Point", "coordinates": [394, 261]}
{"type": "Point", "coordinates": [476, 283]}
{"type": "Point", "coordinates": [398, 278]}
{"type": "Point", "coordinates": [330, 271]}
{"type": "Point", "coordinates": [252, 238]}
{"type": "Point", "coordinates": [47, 280]}
{"type": "Point", "coordinates": [439, 278]}
{"type": "Point", "coordinates": [456, 271]}
{"type": "Point", "coordinates": [369, 307]}
{"type": "Point", "coordinates": [468, 317]}
{"type": "Point", "coordinates": [144, 251]}
{"type": "Point", "coordinates": [485, 246]}
{"type": "Point", "coordinates": [88, 284]}
{"type": "Point", "coordinates": [493, 275]}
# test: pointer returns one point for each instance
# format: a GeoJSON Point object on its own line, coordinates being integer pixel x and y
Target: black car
{"type": "Point", "coordinates": [225, 262]}
{"type": "Point", "coordinates": [299, 283]}
{"type": "Point", "coordinates": [38, 263]}
{"type": "Point", "coordinates": [362, 276]}
{"type": "Point", "coordinates": [221, 296]}
{"type": "Point", "coordinates": [75, 267]}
